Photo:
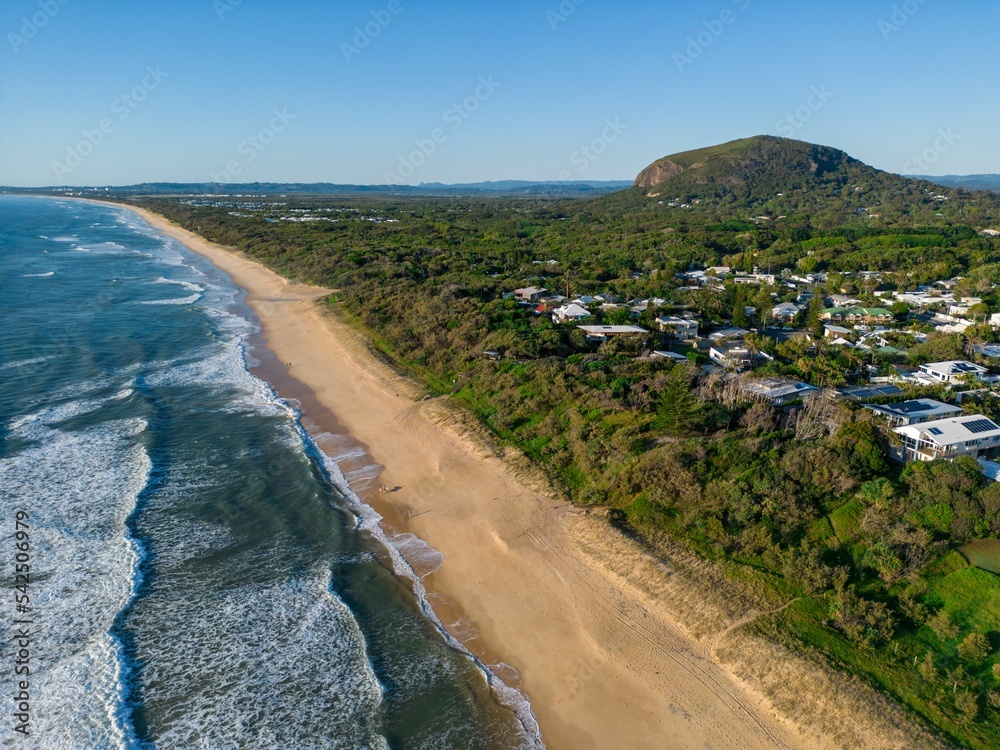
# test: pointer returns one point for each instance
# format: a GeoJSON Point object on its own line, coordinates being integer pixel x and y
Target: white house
{"type": "Point", "coordinates": [952, 371]}
{"type": "Point", "coordinates": [680, 328]}
{"type": "Point", "coordinates": [568, 313]}
{"type": "Point", "coordinates": [672, 356]}
{"type": "Point", "coordinates": [735, 355]}
{"type": "Point", "coordinates": [972, 435]}
{"type": "Point", "coordinates": [778, 391]}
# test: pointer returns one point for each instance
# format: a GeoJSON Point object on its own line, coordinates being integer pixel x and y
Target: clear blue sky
{"type": "Point", "coordinates": [557, 74]}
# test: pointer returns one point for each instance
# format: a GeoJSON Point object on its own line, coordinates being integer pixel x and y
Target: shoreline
{"type": "Point", "coordinates": [532, 587]}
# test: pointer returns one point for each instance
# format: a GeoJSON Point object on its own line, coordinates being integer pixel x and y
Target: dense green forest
{"type": "Point", "coordinates": [803, 497]}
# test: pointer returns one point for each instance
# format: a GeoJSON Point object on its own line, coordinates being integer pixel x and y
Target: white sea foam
{"type": "Point", "coordinates": [281, 635]}
{"type": "Point", "coordinates": [69, 238]}
{"type": "Point", "coordinates": [190, 286]}
{"type": "Point", "coordinates": [24, 362]}
{"type": "Point", "coordinates": [39, 275]}
{"type": "Point", "coordinates": [177, 301]}
{"type": "Point", "coordinates": [79, 487]}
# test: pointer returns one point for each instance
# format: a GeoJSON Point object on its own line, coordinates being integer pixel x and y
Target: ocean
{"type": "Point", "coordinates": [202, 575]}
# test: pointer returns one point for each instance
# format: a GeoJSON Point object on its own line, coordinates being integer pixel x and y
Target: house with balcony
{"type": "Point", "coordinates": [952, 371]}
{"type": "Point", "coordinates": [779, 391]}
{"type": "Point", "coordinates": [529, 294]}
{"type": "Point", "coordinates": [971, 435]}
{"type": "Point", "coordinates": [605, 333]}
{"type": "Point", "coordinates": [735, 355]}
{"type": "Point", "coordinates": [915, 411]}
{"type": "Point", "coordinates": [682, 329]}
{"type": "Point", "coordinates": [867, 315]}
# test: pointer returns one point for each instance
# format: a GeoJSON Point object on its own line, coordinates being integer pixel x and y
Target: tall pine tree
{"type": "Point", "coordinates": [678, 409]}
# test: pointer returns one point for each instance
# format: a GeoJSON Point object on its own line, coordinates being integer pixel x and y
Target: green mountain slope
{"type": "Point", "coordinates": [803, 184]}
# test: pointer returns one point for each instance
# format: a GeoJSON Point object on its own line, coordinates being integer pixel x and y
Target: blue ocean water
{"type": "Point", "coordinates": [202, 575]}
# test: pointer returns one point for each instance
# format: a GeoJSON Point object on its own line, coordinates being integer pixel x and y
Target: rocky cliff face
{"type": "Point", "coordinates": [657, 172]}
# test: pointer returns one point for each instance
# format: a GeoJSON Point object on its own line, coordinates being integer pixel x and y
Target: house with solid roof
{"type": "Point", "coordinates": [868, 315]}
{"type": "Point", "coordinates": [952, 371]}
{"type": "Point", "coordinates": [970, 435]}
{"type": "Point", "coordinates": [529, 294]}
{"type": "Point", "coordinates": [914, 411]}
{"type": "Point", "coordinates": [570, 312]}
{"type": "Point", "coordinates": [778, 391]}
{"type": "Point", "coordinates": [680, 328]}
{"type": "Point", "coordinates": [603, 333]}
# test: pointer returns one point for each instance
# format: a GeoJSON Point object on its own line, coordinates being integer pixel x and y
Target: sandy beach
{"type": "Point", "coordinates": [530, 584]}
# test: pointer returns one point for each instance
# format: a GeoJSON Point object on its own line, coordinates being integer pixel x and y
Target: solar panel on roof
{"type": "Point", "coordinates": [934, 431]}
{"type": "Point", "coordinates": [980, 425]}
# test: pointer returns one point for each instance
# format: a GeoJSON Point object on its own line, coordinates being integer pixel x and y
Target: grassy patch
{"type": "Point", "coordinates": [845, 521]}
{"type": "Point", "coordinates": [983, 553]}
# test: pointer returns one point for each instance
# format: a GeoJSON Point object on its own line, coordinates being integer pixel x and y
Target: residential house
{"type": "Point", "coordinates": [529, 294]}
{"type": "Point", "coordinates": [605, 333]}
{"type": "Point", "coordinates": [640, 306]}
{"type": "Point", "coordinates": [914, 412]}
{"type": "Point", "coordinates": [970, 435]}
{"type": "Point", "coordinates": [865, 392]}
{"type": "Point", "coordinates": [718, 271]}
{"type": "Point", "coordinates": [672, 356]}
{"type": "Point", "coordinates": [856, 315]}
{"type": "Point", "coordinates": [755, 278]}
{"type": "Point", "coordinates": [952, 371]}
{"type": "Point", "coordinates": [778, 391]}
{"type": "Point", "coordinates": [569, 313]}
{"type": "Point", "coordinates": [834, 332]}
{"type": "Point", "coordinates": [682, 329]}
{"type": "Point", "coordinates": [735, 355]}
{"type": "Point", "coordinates": [844, 300]}
{"type": "Point", "coordinates": [785, 312]}
{"type": "Point", "coordinates": [725, 334]}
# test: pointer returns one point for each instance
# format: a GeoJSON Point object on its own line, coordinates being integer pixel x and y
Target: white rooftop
{"type": "Point", "coordinates": [954, 367]}
{"type": "Point", "coordinates": [944, 432]}
{"type": "Point", "coordinates": [612, 329]}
